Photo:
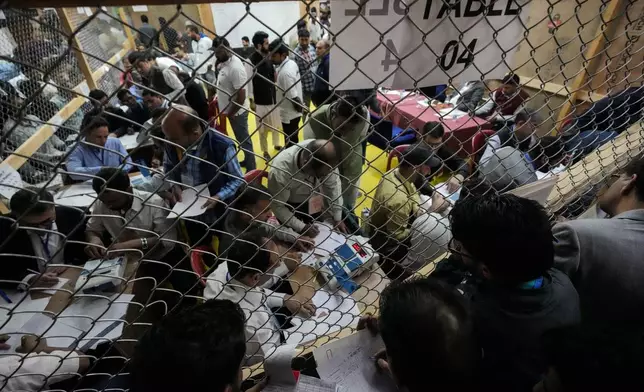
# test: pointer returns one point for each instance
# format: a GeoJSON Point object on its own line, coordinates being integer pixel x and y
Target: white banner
{"type": "Point", "coordinates": [435, 42]}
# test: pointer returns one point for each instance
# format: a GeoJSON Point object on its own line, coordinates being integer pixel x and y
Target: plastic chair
{"type": "Point", "coordinates": [396, 153]}
{"type": "Point", "coordinates": [385, 134]}
{"type": "Point", "coordinates": [255, 175]}
{"type": "Point", "coordinates": [196, 262]}
{"type": "Point", "coordinates": [478, 143]}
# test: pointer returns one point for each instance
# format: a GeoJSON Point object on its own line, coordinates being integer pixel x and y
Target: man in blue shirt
{"type": "Point", "coordinates": [96, 151]}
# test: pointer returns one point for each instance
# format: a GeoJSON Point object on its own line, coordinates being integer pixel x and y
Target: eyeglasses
{"type": "Point", "coordinates": [455, 248]}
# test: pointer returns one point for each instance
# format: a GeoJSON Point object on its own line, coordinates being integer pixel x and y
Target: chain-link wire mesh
{"type": "Point", "coordinates": [232, 151]}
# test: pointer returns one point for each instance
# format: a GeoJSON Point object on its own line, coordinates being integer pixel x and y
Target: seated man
{"type": "Point", "coordinates": [204, 156]}
{"type": "Point", "coordinates": [466, 97]}
{"type": "Point", "coordinates": [516, 294]}
{"type": "Point", "coordinates": [395, 206]}
{"type": "Point", "coordinates": [548, 156]}
{"type": "Point", "coordinates": [154, 101]}
{"type": "Point", "coordinates": [606, 252]}
{"type": "Point", "coordinates": [137, 112]}
{"type": "Point", "coordinates": [448, 356]}
{"type": "Point", "coordinates": [433, 135]}
{"type": "Point", "coordinates": [118, 122]}
{"type": "Point", "coordinates": [345, 123]}
{"type": "Point", "coordinates": [215, 333]}
{"type": "Point", "coordinates": [137, 222]}
{"type": "Point", "coordinates": [45, 234]}
{"type": "Point", "coordinates": [505, 162]}
{"type": "Point", "coordinates": [504, 101]}
{"type": "Point", "coordinates": [299, 195]}
{"type": "Point", "coordinates": [247, 262]}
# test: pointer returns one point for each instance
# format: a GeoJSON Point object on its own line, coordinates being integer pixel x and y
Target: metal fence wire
{"type": "Point", "coordinates": [542, 99]}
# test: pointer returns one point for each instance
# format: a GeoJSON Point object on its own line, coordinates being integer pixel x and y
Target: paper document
{"type": "Point", "coordinates": [84, 188]}
{"type": "Point", "coordinates": [538, 191]}
{"type": "Point", "coordinates": [192, 201]}
{"type": "Point", "coordinates": [129, 141]}
{"type": "Point", "coordinates": [451, 196]}
{"type": "Point", "coordinates": [277, 366]}
{"type": "Point", "coordinates": [14, 316]}
{"type": "Point", "coordinates": [334, 312]}
{"type": "Point", "coordinates": [451, 114]}
{"type": "Point", "coordinates": [10, 181]}
{"type": "Point", "coordinates": [349, 362]}
{"type": "Point", "coordinates": [311, 384]}
{"type": "Point", "coordinates": [327, 241]}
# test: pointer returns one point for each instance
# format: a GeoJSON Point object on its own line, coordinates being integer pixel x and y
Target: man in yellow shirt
{"type": "Point", "coordinates": [396, 205]}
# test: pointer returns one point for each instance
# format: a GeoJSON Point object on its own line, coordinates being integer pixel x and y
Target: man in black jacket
{"type": "Point", "coordinates": [517, 295]}
{"type": "Point", "coordinates": [262, 93]}
{"type": "Point", "coordinates": [433, 136]}
{"type": "Point", "coordinates": [35, 235]}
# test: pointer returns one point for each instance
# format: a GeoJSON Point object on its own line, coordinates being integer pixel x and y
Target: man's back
{"type": "Point", "coordinates": [604, 260]}
{"type": "Point", "coordinates": [509, 323]}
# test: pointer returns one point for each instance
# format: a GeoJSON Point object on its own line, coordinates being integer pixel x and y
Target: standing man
{"type": "Point", "coordinates": [322, 90]}
{"type": "Point", "coordinates": [246, 51]}
{"type": "Point", "coordinates": [201, 50]}
{"type": "Point", "coordinates": [289, 91]}
{"type": "Point", "coordinates": [171, 36]}
{"type": "Point", "coordinates": [344, 123]}
{"type": "Point", "coordinates": [262, 94]}
{"type": "Point", "coordinates": [147, 33]}
{"type": "Point", "coordinates": [231, 95]}
{"type": "Point", "coordinates": [305, 58]}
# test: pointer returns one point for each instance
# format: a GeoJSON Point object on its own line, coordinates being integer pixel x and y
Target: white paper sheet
{"type": "Point", "coordinates": [192, 202]}
{"type": "Point", "coordinates": [83, 188]}
{"type": "Point", "coordinates": [17, 314]}
{"type": "Point", "coordinates": [451, 196]}
{"type": "Point", "coordinates": [327, 241]}
{"type": "Point", "coordinates": [335, 311]}
{"type": "Point", "coordinates": [311, 384]}
{"type": "Point", "coordinates": [77, 201]}
{"type": "Point", "coordinates": [129, 141]}
{"type": "Point", "coordinates": [349, 363]}
{"type": "Point", "coordinates": [278, 365]}
{"type": "Point", "coordinates": [10, 181]}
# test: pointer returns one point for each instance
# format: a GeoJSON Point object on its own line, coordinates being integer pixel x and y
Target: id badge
{"type": "Point", "coordinates": [316, 204]}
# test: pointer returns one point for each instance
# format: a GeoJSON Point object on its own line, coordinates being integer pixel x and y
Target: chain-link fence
{"type": "Point", "coordinates": [315, 160]}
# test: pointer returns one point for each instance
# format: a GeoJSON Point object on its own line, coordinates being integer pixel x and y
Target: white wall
{"type": "Point", "coordinates": [273, 17]}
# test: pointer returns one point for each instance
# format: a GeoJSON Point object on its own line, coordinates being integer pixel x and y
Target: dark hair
{"type": "Point", "coordinates": [141, 55]}
{"type": "Point", "coordinates": [97, 94]}
{"type": "Point", "coordinates": [30, 202]}
{"type": "Point", "coordinates": [549, 147]}
{"type": "Point", "coordinates": [91, 123]}
{"type": "Point", "coordinates": [525, 115]}
{"type": "Point", "coordinates": [249, 195]}
{"type": "Point", "coordinates": [158, 112]}
{"type": "Point", "coordinates": [636, 167]}
{"type": "Point", "coordinates": [110, 177]}
{"type": "Point", "coordinates": [303, 33]}
{"type": "Point", "coordinates": [144, 19]}
{"type": "Point", "coordinates": [245, 38]}
{"type": "Point", "coordinates": [446, 354]}
{"type": "Point", "coordinates": [349, 108]}
{"type": "Point", "coordinates": [313, 9]}
{"type": "Point", "coordinates": [162, 20]}
{"type": "Point", "coordinates": [219, 41]}
{"type": "Point", "coordinates": [121, 94]}
{"type": "Point", "coordinates": [416, 155]}
{"type": "Point", "coordinates": [193, 28]}
{"type": "Point", "coordinates": [511, 79]}
{"type": "Point", "coordinates": [202, 345]}
{"type": "Point", "coordinates": [247, 255]}
{"type": "Point", "coordinates": [508, 234]}
{"type": "Point", "coordinates": [475, 186]}
{"type": "Point", "coordinates": [259, 38]}
{"type": "Point", "coordinates": [597, 357]}
{"type": "Point", "coordinates": [301, 24]}
{"type": "Point", "coordinates": [433, 129]}
{"type": "Point", "coordinates": [278, 46]}
{"type": "Point", "coordinates": [148, 92]}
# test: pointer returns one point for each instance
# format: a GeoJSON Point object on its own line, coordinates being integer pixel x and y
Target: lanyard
{"type": "Point", "coordinates": [45, 246]}
{"type": "Point", "coordinates": [100, 157]}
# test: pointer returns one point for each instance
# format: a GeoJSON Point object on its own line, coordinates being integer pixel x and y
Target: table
{"type": "Point", "coordinates": [406, 112]}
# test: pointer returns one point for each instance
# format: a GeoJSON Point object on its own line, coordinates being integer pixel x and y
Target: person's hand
{"type": "Point", "coordinates": [3, 342]}
{"type": "Point", "coordinates": [253, 106]}
{"type": "Point", "coordinates": [296, 306]}
{"type": "Point", "coordinates": [342, 227]}
{"type": "Point", "coordinates": [211, 203]}
{"type": "Point", "coordinates": [304, 243]}
{"type": "Point", "coordinates": [47, 279]}
{"type": "Point", "coordinates": [439, 204]}
{"type": "Point", "coordinates": [370, 323]}
{"type": "Point", "coordinates": [31, 343]}
{"type": "Point", "coordinates": [454, 183]}
{"type": "Point", "coordinates": [113, 135]}
{"type": "Point", "coordinates": [311, 230]}
{"type": "Point", "coordinates": [95, 249]}
{"type": "Point", "coordinates": [380, 360]}
{"type": "Point", "coordinates": [176, 192]}
{"type": "Point", "coordinates": [259, 386]}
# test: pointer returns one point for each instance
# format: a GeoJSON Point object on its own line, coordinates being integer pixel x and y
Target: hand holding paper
{"type": "Point", "coordinates": [191, 202]}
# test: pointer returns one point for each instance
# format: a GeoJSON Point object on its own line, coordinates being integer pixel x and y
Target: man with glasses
{"type": "Point", "coordinates": [35, 235]}
{"type": "Point", "coordinates": [606, 253]}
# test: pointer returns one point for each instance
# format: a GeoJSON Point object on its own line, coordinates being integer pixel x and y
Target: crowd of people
{"type": "Point", "coordinates": [517, 301]}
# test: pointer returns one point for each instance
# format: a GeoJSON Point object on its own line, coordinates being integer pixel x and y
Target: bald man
{"type": "Point", "coordinates": [322, 93]}
{"type": "Point", "coordinates": [305, 184]}
{"type": "Point", "coordinates": [202, 157]}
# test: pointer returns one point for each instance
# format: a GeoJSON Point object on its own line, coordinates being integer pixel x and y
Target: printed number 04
{"type": "Point", "coordinates": [466, 58]}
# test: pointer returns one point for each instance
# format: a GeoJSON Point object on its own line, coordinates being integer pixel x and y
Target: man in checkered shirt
{"type": "Point", "coordinates": [305, 57]}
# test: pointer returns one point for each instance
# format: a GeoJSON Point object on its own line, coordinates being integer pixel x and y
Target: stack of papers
{"type": "Point", "coordinates": [192, 201]}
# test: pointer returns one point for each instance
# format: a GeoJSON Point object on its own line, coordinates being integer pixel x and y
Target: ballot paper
{"type": "Point", "coordinates": [349, 362]}
{"type": "Point", "coordinates": [334, 312]}
{"type": "Point", "coordinates": [14, 316]}
{"type": "Point", "coordinates": [311, 384]}
{"type": "Point", "coordinates": [192, 201]}
{"type": "Point", "coordinates": [129, 141]}
{"type": "Point", "coordinates": [10, 181]}
{"type": "Point", "coordinates": [538, 191]}
{"type": "Point", "coordinates": [83, 188]}
{"type": "Point", "coordinates": [327, 241]}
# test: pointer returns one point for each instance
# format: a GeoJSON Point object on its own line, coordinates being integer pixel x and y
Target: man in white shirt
{"type": "Point", "coordinates": [247, 263]}
{"type": "Point", "coordinates": [289, 91]}
{"type": "Point", "coordinates": [232, 97]}
{"type": "Point", "coordinates": [201, 51]}
{"type": "Point", "coordinates": [137, 222]}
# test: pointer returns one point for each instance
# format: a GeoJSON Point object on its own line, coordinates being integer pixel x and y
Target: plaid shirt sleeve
{"type": "Point", "coordinates": [307, 68]}
{"type": "Point", "coordinates": [233, 173]}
